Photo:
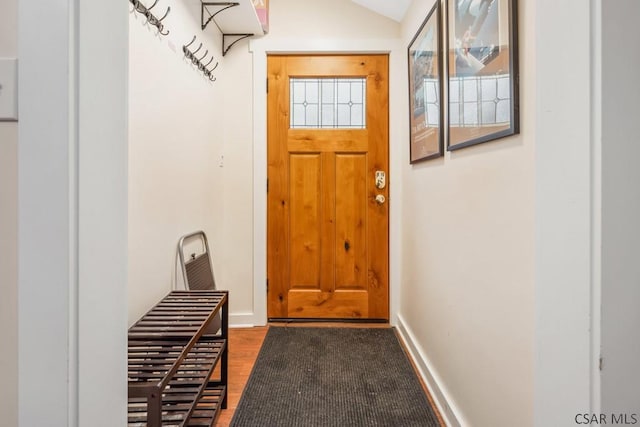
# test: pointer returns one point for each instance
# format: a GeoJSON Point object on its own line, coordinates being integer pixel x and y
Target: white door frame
{"type": "Point", "coordinates": [397, 86]}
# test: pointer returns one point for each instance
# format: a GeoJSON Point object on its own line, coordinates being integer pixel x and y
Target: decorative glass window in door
{"type": "Point", "coordinates": [328, 103]}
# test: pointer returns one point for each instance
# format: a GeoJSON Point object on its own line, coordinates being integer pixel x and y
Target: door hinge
{"type": "Point", "coordinates": [601, 363]}
{"type": "Point", "coordinates": [267, 285]}
{"type": "Point", "coordinates": [267, 185]}
{"type": "Point", "coordinates": [267, 84]}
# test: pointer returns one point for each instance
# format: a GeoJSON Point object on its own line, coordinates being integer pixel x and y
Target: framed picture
{"type": "Point", "coordinates": [425, 89]}
{"type": "Point", "coordinates": [482, 71]}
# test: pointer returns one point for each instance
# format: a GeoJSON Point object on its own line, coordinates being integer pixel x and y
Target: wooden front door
{"type": "Point", "coordinates": [327, 216]}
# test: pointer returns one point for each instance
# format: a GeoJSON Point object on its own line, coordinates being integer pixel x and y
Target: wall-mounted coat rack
{"type": "Point", "coordinates": [151, 18]}
{"type": "Point", "coordinates": [238, 21]}
{"type": "Point", "coordinates": [199, 61]}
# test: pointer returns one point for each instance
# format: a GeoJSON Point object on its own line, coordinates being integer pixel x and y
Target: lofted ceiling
{"type": "Point", "coordinates": [394, 9]}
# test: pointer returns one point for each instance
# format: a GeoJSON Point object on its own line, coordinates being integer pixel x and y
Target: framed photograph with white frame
{"type": "Point", "coordinates": [482, 78]}
{"type": "Point", "coordinates": [426, 88]}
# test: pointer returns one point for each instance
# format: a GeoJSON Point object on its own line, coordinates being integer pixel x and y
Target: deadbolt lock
{"type": "Point", "coordinates": [381, 180]}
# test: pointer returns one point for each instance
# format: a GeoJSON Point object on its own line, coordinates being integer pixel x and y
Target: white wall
{"type": "Point", "coordinates": [176, 132]}
{"type": "Point", "coordinates": [235, 262]}
{"type": "Point", "coordinates": [467, 290]}
{"type": "Point", "coordinates": [331, 19]}
{"type": "Point", "coordinates": [620, 208]}
{"type": "Point", "coordinates": [9, 234]}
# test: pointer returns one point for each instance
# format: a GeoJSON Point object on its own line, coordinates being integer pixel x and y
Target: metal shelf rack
{"type": "Point", "coordinates": [171, 361]}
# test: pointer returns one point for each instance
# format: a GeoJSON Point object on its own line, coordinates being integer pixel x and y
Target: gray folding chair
{"type": "Point", "coordinates": [197, 270]}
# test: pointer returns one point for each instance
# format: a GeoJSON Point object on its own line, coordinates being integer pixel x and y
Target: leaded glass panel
{"type": "Point", "coordinates": [328, 103]}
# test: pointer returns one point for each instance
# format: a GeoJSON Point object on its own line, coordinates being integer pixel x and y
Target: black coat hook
{"type": "Point", "coordinates": [197, 61]}
{"type": "Point", "coordinates": [138, 6]}
{"type": "Point", "coordinates": [151, 18]}
{"type": "Point", "coordinates": [152, 6]}
{"type": "Point", "coordinates": [203, 56]}
{"type": "Point", "coordinates": [158, 22]}
{"type": "Point", "coordinates": [190, 43]}
{"type": "Point", "coordinates": [165, 14]}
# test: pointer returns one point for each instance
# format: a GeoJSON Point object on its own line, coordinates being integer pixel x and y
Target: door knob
{"type": "Point", "coordinates": [380, 199]}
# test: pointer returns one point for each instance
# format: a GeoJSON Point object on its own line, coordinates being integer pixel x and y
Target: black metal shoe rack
{"type": "Point", "coordinates": [171, 361]}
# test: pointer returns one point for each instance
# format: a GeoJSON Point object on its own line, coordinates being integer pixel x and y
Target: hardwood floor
{"type": "Point", "coordinates": [244, 345]}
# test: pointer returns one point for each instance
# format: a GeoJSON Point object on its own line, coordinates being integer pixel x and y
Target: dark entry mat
{"type": "Point", "coordinates": [333, 377]}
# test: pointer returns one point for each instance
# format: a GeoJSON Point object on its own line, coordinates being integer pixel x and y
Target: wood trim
{"type": "Point", "coordinates": [277, 167]}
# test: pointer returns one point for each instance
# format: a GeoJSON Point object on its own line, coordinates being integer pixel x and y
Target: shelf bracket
{"type": "Point", "coordinates": [205, 8]}
{"type": "Point", "coordinates": [236, 39]}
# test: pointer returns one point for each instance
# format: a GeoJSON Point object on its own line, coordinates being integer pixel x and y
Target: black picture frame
{"type": "Point", "coordinates": [426, 88]}
{"type": "Point", "coordinates": [482, 72]}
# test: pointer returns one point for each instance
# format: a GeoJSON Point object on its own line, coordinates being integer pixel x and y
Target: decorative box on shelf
{"type": "Point", "coordinates": [262, 9]}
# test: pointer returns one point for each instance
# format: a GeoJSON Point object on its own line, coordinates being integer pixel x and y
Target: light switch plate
{"type": "Point", "coordinates": [8, 89]}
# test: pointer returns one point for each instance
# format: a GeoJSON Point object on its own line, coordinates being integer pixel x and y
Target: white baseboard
{"type": "Point", "coordinates": [243, 320]}
{"type": "Point", "coordinates": [447, 408]}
